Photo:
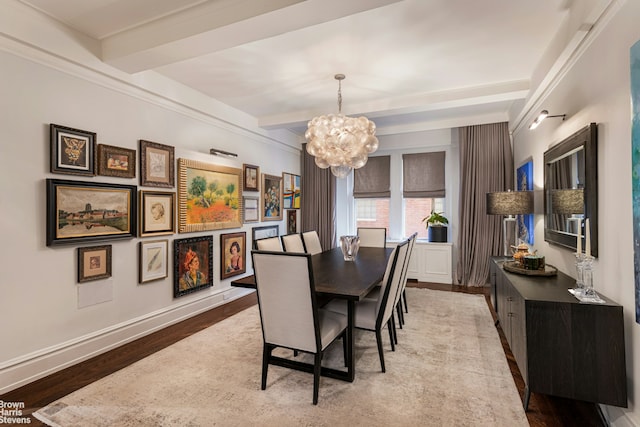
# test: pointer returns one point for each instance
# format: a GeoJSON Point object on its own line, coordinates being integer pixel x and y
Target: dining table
{"type": "Point", "coordinates": [334, 277]}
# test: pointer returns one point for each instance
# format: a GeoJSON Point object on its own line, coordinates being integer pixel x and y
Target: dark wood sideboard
{"type": "Point", "coordinates": [562, 347]}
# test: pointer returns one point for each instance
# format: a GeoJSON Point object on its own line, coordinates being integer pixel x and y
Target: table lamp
{"type": "Point", "coordinates": [509, 203]}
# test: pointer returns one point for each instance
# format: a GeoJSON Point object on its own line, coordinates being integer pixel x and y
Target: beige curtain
{"type": "Point", "coordinates": [486, 165]}
{"type": "Point", "coordinates": [318, 200]}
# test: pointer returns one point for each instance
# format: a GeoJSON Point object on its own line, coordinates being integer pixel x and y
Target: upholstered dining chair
{"type": "Point", "coordinates": [312, 242]}
{"type": "Point", "coordinates": [374, 315]}
{"type": "Point", "coordinates": [269, 244]}
{"type": "Point", "coordinates": [289, 313]}
{"type": "Point", "coordinates": [293, 243]}
{"type": "Point", "coordinates": [372, 237]}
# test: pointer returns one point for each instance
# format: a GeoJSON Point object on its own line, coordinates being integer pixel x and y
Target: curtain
{"type": "Point", "coordinates": [423, 175]}
{"type": "Point", "coordinates": [373, 179]}
{"type": "Point", "coordinates": [318, 200]}
{"type": "Point", "coordinates": [486, 165]}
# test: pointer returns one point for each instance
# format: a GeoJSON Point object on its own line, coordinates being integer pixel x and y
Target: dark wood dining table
{"type": "Point", "coordinates": [336, 278]}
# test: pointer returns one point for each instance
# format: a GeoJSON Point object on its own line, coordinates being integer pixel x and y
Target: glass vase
{"type": "Point", "coordinates": [349, 246]}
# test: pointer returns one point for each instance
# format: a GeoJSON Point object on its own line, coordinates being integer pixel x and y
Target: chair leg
{"type": "Point", "coordinates": [400, 314]}
{"type": "Point", "coordinates": [391, 325]}
{"type": "Point", "coordinates": [404, 296]}
{"type": "Point", "coordinates": [380, 350]}
{"type": "Point", "coordinates": [266, 355]}
{"type": "Point", "coordinates": [345, 351]}
{"type": "Point", "coordinates": [316, 376]}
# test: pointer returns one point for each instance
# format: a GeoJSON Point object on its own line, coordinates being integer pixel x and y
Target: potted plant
{"type": "Point", "coordinates": [436, 227]}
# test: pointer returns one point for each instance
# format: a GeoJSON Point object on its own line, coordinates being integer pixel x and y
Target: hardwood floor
{"type": "Point", "coordinates": [543, 410]}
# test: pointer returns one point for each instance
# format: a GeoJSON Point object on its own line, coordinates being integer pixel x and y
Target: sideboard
{"type": "Point", "coordinates": [562, 347]}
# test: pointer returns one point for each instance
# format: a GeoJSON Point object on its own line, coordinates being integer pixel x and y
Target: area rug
{"type": "Point", "coordinates": [449, 369]}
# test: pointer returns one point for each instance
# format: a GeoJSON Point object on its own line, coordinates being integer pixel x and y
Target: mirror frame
{"type": "Point", "coordinates": [588, 139]}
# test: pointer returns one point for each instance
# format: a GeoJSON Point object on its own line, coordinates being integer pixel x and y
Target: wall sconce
{"type": "Point", "coordinates": [217, 152]}
{"type": "Point", "coordinates": [509, 203]}
{"type": "Point", "coordinates": [543, 115]}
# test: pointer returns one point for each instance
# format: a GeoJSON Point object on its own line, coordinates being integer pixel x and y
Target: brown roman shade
{"type": "Point", "coordinates": [423, 175]}
{"type": "Point", "coordinates": [373, 180]}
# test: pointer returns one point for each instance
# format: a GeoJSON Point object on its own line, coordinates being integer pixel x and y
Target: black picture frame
{"type": "Point", "coordinates": [94, 263]}
{"type": "Point", "coordinates": [72, 150]}
{"type": "Point", "coordinates": [80, 211]}
{"type": "Point", "coordinates": [184, 253]}
{"type": "Point", "coordinates": [263, 232]}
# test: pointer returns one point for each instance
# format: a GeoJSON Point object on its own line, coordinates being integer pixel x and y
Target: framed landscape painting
{"type": "Point", "coordinates": [209, 196]}
{"type": "Point", "coordinates": [72, 150]}
{"type": "Point", "coordinates": [234, 248]}
{"type": "Point", "coordinates": [291, 191]}
{"type": "Point", "coordinates": [192, 264]}
{"type": "Point", "coordinates": [271, 209]}
{"type": "Point", "coordinates": [157, 164]}
{"type": "Point", "coordinates": [80, 211]}
{"type": "Point", "coordinates": [116, 161]}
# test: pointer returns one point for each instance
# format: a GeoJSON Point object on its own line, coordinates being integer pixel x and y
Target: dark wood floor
{"type": "Point", "coordinates": [543, 410]}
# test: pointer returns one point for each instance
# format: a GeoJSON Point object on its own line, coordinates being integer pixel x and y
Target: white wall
{"type": "Point", "coordinates": [596, 89]}
{"type": "Point", "coordinates": [44, 329]}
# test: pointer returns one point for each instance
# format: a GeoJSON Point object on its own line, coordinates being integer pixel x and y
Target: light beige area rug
{"type": "Point", "coordinates": [449, 369]}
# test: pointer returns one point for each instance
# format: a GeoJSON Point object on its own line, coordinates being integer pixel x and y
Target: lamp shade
{"type": "Point", "coordinates": [570, 201]}
{"type": "Point", "coordinates": [510, 203]}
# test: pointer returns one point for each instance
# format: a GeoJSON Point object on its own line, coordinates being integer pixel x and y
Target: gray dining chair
{"type": "Point", "coordinates": [269, 244]}
{"type": "Point", "coordinates": [374, 315]}
{"type": "Point", "coordinates": [312, 242]}
{"type": "Point", "coordinates": [293, 243]}
{"type": "Point", "coordinates": [372, 237]}
{"type": "Point", "coordinates": [289, 313]}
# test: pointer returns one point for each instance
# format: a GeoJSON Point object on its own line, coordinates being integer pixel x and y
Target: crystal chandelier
{"type": "Point", "coordinates": [341, 142]}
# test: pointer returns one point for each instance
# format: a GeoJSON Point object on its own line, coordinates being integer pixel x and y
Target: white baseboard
{"type": "Point", "coordinates": [18, 372]}
{"type": "Point", "coordinates": [618, 417]}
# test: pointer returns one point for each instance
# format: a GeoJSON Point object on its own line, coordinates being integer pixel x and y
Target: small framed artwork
{"type": "Point", "coordinates": [94, 263]}
{"type": "Point", "coordinates": [153, 259]}
{"type": "Point", "coordinates": [116, 161]}
{"type": "Point", "coordinates": [209, 196]}
{"type": "Point", "coordinates": [291, 191]}
{"type": "Point", "coordinates": [271, 209]}
{"type": "Point", "coordinates": [157, 213]}
{"type": "Point", "coordinates": [72, 150]}
{"type": "Point", "coordinates": [251, 209]}
{"type": "Point", "coordinates": [80, 211]}
{"type": "Point", "coordinates": [251, 181]}
{"type": "Point", "coordinates": [233, 247]}
{"type": "Point", "coordinates": [263, 232]}
{"type": "Point", "coordinates": [157, 164]}
{"type": "Point", "coordinates": [292, 221]}
{"type": "Point", "coordinates": [192, 265]}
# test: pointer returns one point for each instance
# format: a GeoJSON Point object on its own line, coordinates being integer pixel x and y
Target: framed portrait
{"type": "Point", "coordinates": [72, 150]}
{"type": "Point", "coordinates": [153, 257]}
{"type": "Point", "coordinates": [192, 265]}
{"type": "Point", "coordinates": [234, 250]}
{"type": "Point", "coordinates": [79, 211]}
{"type": "Point", "coordinates": [94, 263]}
{"type": "Point", "coordinates": [251, 178]}
{"type": "Point", "coordinates": [291, 191]}
{"type": "Point", "coordinates": [251, 209]}
{"type": "Point", "coordinates": [292, 221]}
{"type": "Point", "coordinates": [209, 196]}
{"type": "Point", "coordinates": [263, 232]}
{"type": "Point", "coordinates": [116, 161]}
{"type": "Point", "coordinates": [271, 209]}
{"type": "Point", "coordinates": [157, 213]}
{"type": "Point", "coordinates": [157, 164]}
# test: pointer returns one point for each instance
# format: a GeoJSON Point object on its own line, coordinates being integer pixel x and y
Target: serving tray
{"type": "Point", "coordinates": [549, 270]}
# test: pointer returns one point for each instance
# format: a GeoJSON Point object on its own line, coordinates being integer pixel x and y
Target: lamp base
{"type": "Point", "coordinates": [506, 234]}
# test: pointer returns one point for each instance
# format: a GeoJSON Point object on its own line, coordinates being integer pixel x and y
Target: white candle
{"type": "Point", "coordinates": [579, 245]}
{"type": "Point", "coordinates": [587, 238]}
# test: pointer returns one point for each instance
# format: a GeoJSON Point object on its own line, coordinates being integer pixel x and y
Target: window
{"type": "Point", "coordinates": [415, 209]}
{"type": "Point", "coordinates": [372, 213]}
{"type": "Point", "coordinates": [371, 190]}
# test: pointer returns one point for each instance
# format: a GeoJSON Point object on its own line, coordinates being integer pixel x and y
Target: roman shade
{"type": "Point", "coordinates": [423, 175]}
{"type": "Point", "coordinates": [373, 179]}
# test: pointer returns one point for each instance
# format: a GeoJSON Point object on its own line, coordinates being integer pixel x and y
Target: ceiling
{"type": "Point", "coordinates": [410, 65]}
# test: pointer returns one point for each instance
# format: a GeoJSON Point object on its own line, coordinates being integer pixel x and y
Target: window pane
{"type": "Point", "coordinates": [372, 213]}
{"type": "Point", "coordinates": [417, 208]}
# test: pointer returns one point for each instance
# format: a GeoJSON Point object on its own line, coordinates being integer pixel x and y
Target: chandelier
{"type": "Point", "coordinates": [341, 142]}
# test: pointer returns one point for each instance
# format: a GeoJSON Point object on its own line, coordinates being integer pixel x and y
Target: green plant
{"type": "Point", "coordinates": [435, 219]}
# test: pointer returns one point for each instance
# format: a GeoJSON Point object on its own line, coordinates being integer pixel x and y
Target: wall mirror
{"type": "Point", "coordinates": [571, 190]}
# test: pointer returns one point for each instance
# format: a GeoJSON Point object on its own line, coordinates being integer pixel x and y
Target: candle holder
{"type": "Point", "coordinates": [580, 258]}
{"type": "Point", "coordinates": [587, 276]}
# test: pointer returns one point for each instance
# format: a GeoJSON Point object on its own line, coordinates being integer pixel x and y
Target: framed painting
{"type": "Point", "coordinates": [157, 213]}
{"type": "Point", "coordinates": [234, 248]}
{"type": "Point", "coordinates": [291, 191]}
{"type": "Point", "coordinates": [292, 221]}
{"type": "Point", "coordinates": [192, 264]}
{"type": "Point", "coordinates": [116, 161]}
{"type": "Point", "coordinates": [271, 209]}
{"type": "Point", "coordinates": [251, 181]}
{"type": "Point", "coordinates": [94, 263]}
{"type": "Point", "coordinates": [153, 257]}
{"type": "Point", "coordinates": [263, 232]}
{"type": "Point", "coordinates": [209, 196]}
{"type": "Point", "coordinates": [80, 211]}
{"type": "Point", "coordinates": [525, 183]}
{"type": "Point", "coordinates": [72, 150]}
{"type": "Point", "coordinates": [251, 209]}
{"type": "Point", "coordinates": [156, 164]}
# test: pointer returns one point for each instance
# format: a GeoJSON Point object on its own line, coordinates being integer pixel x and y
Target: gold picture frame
{"type": "Point", "coordinates": [94, 263]}
{"type": "Point", "coordinates": [157, 164]}
{"type": "Point", "coordinates": [116, 161]}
